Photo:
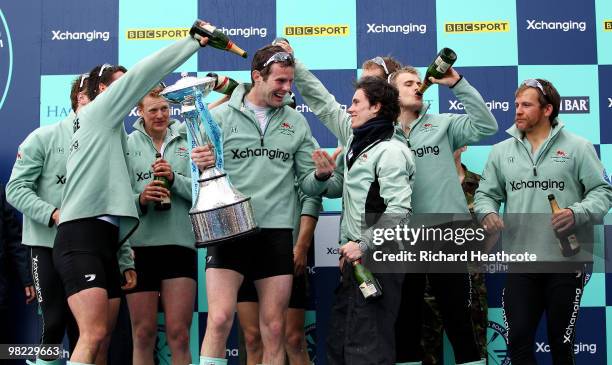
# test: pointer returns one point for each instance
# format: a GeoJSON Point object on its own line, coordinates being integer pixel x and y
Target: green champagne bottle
{"type": "Point", "coordinates": [166, 203]}
{"type": "Point", "coordinates": [223, 84]}
{"type": "Point", "coordinates": [369, 286]}
{"type": "Point", "coordinates": [216, 38]}
{"type": "Point", "coordinates": [568, 242]}
{"type": "Point", "coordinates": [445, 59]}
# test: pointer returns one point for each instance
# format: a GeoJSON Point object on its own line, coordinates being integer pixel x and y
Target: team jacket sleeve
{"type": "Point", "coordinates": [477, 123]}
{"type": "Point", "coordinates": [11, 233]}
{"type": "Point", "coordinates": [491, 190]}
{"type": "Point", "coordinates": [125, 257]}
{"type": "Point", "coordinates": [123, 94]}
{"type": "Point", "coordinates": [322, 103]}
{"type": "Point", "coordinates": [304, 166]}
{"type": "Point", "coordinates": [23, 184]}
{"type": "Point", "coordinates": [598, 193]}
{"type": "Point", "coordinates": [394, 170]}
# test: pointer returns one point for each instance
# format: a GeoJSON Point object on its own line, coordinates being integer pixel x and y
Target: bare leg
{"type": "Point", "coordinates": [295, 339]}
{"type": "Point", "coordinates": [273, 293]}
{"type": "Point", "coordinates": [178, 297]}
{"type": "Point", "coordinates": [90, 308]}
{"type": "Point", "coordinates": [248, 315]}
{"type": "Point", "coordinates": [143, 314]}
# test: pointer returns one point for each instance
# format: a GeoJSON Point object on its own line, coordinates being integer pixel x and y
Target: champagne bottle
{"type": "Point", "coordinates": [369, 286]}
{"type": "Point", "coordinates": [216, 38]}
{"type": "Point", "coordinates": [567, 240]}
{"type": "Point", "coordinates": [165, 204]}
{"type": "Point", "coordinates": [223, 84]}
{"type": "Point", "coordinates": [445, 59]}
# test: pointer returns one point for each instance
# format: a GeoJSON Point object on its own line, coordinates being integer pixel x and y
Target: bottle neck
{"type": "Point", "coordinates": [554, 206]}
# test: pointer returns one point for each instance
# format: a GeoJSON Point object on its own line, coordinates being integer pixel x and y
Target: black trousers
{"type": "Point", "coordinates": [453, 295]}
{"type": "Point", "coordinates": [57, 318]}
{"type": "Point", "coordinates": [362, 331]}
{"type": "Point", "coordinates": [526, 297]}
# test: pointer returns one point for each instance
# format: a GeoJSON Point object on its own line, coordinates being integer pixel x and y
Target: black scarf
{"type": "Point", "coordinates": [374, 130]}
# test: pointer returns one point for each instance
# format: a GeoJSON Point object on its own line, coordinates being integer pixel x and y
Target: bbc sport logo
{"type": "Point", "coordinates": [6, 58]}
{"type": "Point", "coordinates": [321, 30]}
{"type": "Point", "coordinates": [477, 27]}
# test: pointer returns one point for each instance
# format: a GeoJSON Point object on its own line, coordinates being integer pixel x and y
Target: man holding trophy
{"type": "Point", "coordinates": [267, 145]}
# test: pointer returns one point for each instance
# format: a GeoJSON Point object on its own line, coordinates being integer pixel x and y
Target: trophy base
{"type": "Point", "coordinates": [222, 224]}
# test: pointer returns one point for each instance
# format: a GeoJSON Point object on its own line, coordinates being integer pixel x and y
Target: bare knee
{"type": "Point", "coordinates": [273, 328]}
{"type": "Point", "coordinates": [295, 340]}
{"type": "Point", "coordinates": [144, 335]}
{"type": "Point", "coordinates": [94, 335]}
{"type": "Point", "coordinates": [219, 323]}
{"type": "Point", "coordinates": [252, 339]}
{"type": "Point", "coordinates": [178, 337]}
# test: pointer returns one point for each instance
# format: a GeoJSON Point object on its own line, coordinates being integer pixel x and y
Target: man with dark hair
{"type": "Point", "coordinates": [541, 150]}
{"type": "Point", "coordinates": [267, 145]}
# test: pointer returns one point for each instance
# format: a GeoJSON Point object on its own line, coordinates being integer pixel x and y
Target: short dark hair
{"type": "Point", "coordinates": [77, 87]}
{"type": "Point", "coordinates": [93, 87]}
{"type": "Point", "coordinates": [552, 97]}
{"type": "Point", "coordinates": [263, 55]}
{"type": "Point", "coordinates": [380, 91]}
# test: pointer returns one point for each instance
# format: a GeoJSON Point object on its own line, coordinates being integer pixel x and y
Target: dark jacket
{"type": "Point", "coordinates": [12, 253]}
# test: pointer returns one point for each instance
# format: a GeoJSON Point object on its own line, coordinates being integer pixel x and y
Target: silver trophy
{"type": "Point", "coordinates": [219, 211]}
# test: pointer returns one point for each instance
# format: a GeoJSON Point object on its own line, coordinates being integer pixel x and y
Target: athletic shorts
{"type": "Point", "coordinates": [157, 263]}
{"type": "Point", "coordinates": [261, 255]}
{"type": "Point", "coordinates": [85, 256]}
{"type": "Point", "coordinates": [299, 292]}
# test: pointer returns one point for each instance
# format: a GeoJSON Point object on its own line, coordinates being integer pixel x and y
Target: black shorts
{"type": "Point", "coordinates": [261, 255]}
{"type": "Point", "coordinates": [157, 263]}
{"type": "Point", "coordinates": [299, 292]}
{"type": "Point", "coordinates": [85, 256]}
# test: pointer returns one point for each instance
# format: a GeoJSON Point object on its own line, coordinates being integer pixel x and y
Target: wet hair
{"type": "Point", "coordinates": [78, 85]}
{"type": "Point", "coordinates": [93, 87]}
{"type": "Point", "coordinates": [263, 55]}
{"type": "Point", "coordinates": [380, 91]}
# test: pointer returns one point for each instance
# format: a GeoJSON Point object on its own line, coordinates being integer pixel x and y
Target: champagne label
{"type": "Point", "coordinates": [441, 66]}
{"type": "Point", "coordinates": [573, 241]}
{"type": "Point", "coordinates": [367, 289]}
{"type": "Point", "coordinates": [208, 27]}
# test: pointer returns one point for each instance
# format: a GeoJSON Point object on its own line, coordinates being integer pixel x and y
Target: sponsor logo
{"type": "Point", "coordinates": [497, 344]}
{"type": "Point", "coordinates": [303, 108]}
{"type": "Point", "coordinates": [231, 353]}
{"type": "Point", "coordinates": [182, 152]}
{"type": "Point", "coordinates": [426, 150]}
{"type": "Point", "coordinates": [286, 129]}
{"type": "Point", "coordinates": [321, 30]}
{"type": "Point", "coordinates": [477, 27]}
{"type": "Point", "coordinates": [260, 152]}
{"type": "Point", "coordinates": [397, 28]}
{"type": "Point", "coordinates": [61, 179]}
{"type": "Point", "coordinates": [90, 277]}
{"type": "Point", "coordinates": [156, 33]}
{"type": "Point", "coordinates": [560, 156]}
{"type": "Point", "coordinates": [568, 336]}
{"type": "Point", "coordinates": [56, 111]}
{"type": "Point", "coordinates": [533, 24]}
{"type": "Point", "coordinates": [76, 125]}
{"type": "Point", "coordinates": [510, 159]}
{"type": "Point", "coordinates": [36, 278]}
{"type": "Point", "coordinates": [333, 250]}
{"type": "Point", "coordinates": [492, 105]}
{"type": "Point", "coordinates": [65, 35]}
{"type": "Point", "coordinates": [74, 146]}
{"type": "Point", "coordinates": [245, 32]}
{"type": "Point", "coordinates": [590, 348]}
{"type": "Point", "coordinates": [428, 128]}
{"type": "Point", "coordinates": [60, 150]}
{"type": "Point", "coordinates": [141, 176]}
{"type": "Point", "coordinates": [607, 25]}
{"type": "Point", "coordinates": [363, 157]}
{"type": "Point", "coordinates": [609, 102]}
{"type": "Point", "coordinates": [537, 184]}
{"type": "Point", "coordinates": [174, 111]}
{"type": "Point", "coordinates": [575, 105]}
